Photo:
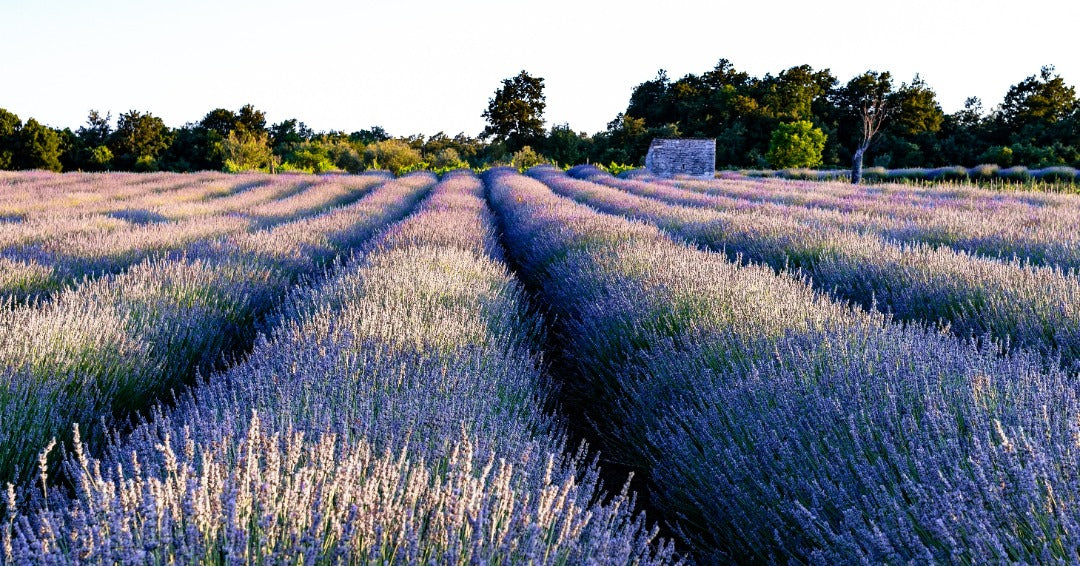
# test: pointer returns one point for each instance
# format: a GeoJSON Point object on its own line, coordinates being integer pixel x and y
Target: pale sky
{"type": "Point", "coordinates": [423, 66]}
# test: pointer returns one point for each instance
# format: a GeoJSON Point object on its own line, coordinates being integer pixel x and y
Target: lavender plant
{"type": "Point", "coordinates": [110, 346]}
{"type": "Point", "coordinates": [778, 426]}
{"type": "Point", "coordinates": [1032, 228]}
{"type": "Point", "coordinates": [1027, 306]}
{"type": "Point", "coordinates": [375, 424]}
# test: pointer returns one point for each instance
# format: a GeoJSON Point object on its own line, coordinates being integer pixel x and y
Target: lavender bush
{"type": "Point", "coordinates": [110, 346]}
{"type": "Point", "coordinates": [49, 252]}
{"type": "Point", "coordinates": [778, 426]}
{"type": "Point", "coordinates": [1035, 228]}
{"type": "Point", "coordinates": [379, 422]}
{"type": "Point", "coordinates": [1028, 306]}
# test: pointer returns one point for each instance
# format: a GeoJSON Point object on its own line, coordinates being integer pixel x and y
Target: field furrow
{"type": "Point", "coordinates": [1025, 306]}
{"type": "Point", "coordinates": [109, 347]}
{"type": "Point", "coordinates": [395, 414]}
{"type": "Point", "coordinates": [991, 224]}
{"type": "Point", "coordinates": [44, 261]}
{"type": "Point", "coordinates": [775, 425]}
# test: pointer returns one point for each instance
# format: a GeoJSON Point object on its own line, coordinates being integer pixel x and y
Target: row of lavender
{"type": "Point", "coordinates": [1053, 177]}
{"type": "Point", "coordinates": [775, 425]}
{"type": "Point", "coordinates": [108, 347]}
{"type": "Point", "coordinates": [394, 414]}
{"type": "Point", "coordinates": [119, 227]}
{"type": "Point", "coordinates": [1032, 226]}
{"type": "Point", "coordinates": [1024, 305]}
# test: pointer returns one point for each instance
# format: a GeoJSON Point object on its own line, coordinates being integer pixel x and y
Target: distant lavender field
{"type": "Point", "coordinates": [211, 368]}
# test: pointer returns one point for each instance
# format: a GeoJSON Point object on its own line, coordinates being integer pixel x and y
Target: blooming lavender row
{"type": "Point", "coordinates": [110, 346]}
{"type": "Point", "coordinates": [33, 193]}
{"type": "Point", "coordinates": [1027, 306]}
{"type": "Point", "coordinates": [71, 224]}
{"type": "Point", "coordinates": [1034, 227]}
{"type": "Point", "coordinates": [52, 260]}
{"type": "Point", "coordinates": [778, 426]}
{"type": "Point", "coordinates": [395, 414]}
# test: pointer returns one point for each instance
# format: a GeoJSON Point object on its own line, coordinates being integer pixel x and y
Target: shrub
{"type": "Point", "coordinates": [395, 155]}
{"type": "Point", "coordinates": [875, 173]}
{"type": "Point", "coordinates": [247, 151]}
{"type": "Point", "coordinates": [955, 173]}
{"type": "Point", "coordinates": [525, 158]}
{"type": "Point", "coordinates": [101, 157]}
{"type": "Point", "coordinates": [909, 174]}
{"type": "Point", "coordinates": [984, 172]}
{"type": "Point", "coordinates": [448, 159]}
{"type": "Point", "coordinates": [1056, 174]}
{"type": "Point", "coordinates": [309, 158]}
{"type": "Point", "coordinates": [1018, 174]}
{"type": "Point", "coordinates": [796, 144]}
{"type": "Point", "coordinates": [146, 164]}
{"type": "Point", "coordinates": [998, 155]}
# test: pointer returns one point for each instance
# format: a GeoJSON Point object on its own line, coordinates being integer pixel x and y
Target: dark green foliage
{"type": "Point", "coordinates": [1038, 101]}
{"type": "Point", "coordinates": [908, 126]}
{"type": "Point", "coordinates": [138, 140]}
{"type": "Point", "coordinates": [1036, 126]}
{"type": "Point", "coordinates": [10, 124]}
{"type": "Point", "coordinates": [39, 147]}
{"type": "Point", "coordinates": [515, 115]}
{"type": "Point", "coordinates": [564, 146]}
{"type": "Point", "coordinates": [372, 135]}
{"type": "Point", "coordinates": [288, 135]}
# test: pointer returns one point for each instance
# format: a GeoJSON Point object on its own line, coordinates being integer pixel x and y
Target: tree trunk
{"type": "Point", "coordinates": [856, 165]}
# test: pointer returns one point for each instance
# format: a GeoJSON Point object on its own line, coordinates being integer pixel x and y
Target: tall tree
{"type": "Point", "coordinates": [220, 120]}
{"type": "Point", "coordinates": [917, 108]}
{"type": "Point", "coordinates": [515, 114]}
{"type": "Point", "coordinates": [248, 151]}
{"type": "Point", "coordinates": [97, 129]}
{"type": "Point", "coordinates": [867, 100]}
{"type": "Point", "coordinates": [1035, 104]}
{"type": "Point", "coordinates": [651, 101]}
{"type": "Point", "coordinates": [564, 145]}
{"type": "Point", "coordinates": [251, 120]}
{"type": "Point", "coordinates": [10, 124]}
{"type": "Point", "coordinates": [139, 139]}
{"type": "Point", "coordinates": [790, 96]}
{"type": "Point", "coordinates": [39, 147]}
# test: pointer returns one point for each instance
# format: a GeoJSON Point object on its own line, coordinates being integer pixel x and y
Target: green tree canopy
{"type": "Point", "coordinates": [866, 102]}
{"type": "Point", "coordinates": [791, 95]}
{"type": "Point", "coordinates": [564, 145]}
{"type": "Point", "coordinates": [39, 147]}
{"type": "Point", "coordinates": [796, 144]}
{"type": "Point", "coordinates": [651, 101]}
{"type": "Point", "coordinates": [515, 114]}
{"type": "Point", "coordinates": [917, 108]}
{"type": "Point", "coordinates": [1034, 105]}
{"type": "Point", "coordinates": [395, 155]}
{"type": "Point", "coordinates": [247, 151]}
{"type": "Point", "coordinates": [97, 129]}
{"type": "Point", "coordinates": [10, 124]}
{"type": "Point", "coordinates": [139, 138]}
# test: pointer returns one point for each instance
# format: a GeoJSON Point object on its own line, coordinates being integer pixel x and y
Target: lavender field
{"type": "Point", "coordinates": [551, 367]}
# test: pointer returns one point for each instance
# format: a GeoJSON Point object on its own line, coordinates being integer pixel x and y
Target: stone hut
{"type": "Point", "coordinates": [693, 157]}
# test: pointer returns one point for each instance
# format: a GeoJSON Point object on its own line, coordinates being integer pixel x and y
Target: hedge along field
{"type": "Point", "coordinates": [107, 348]}
{"type": "Point", "coordinates": [1027, 306]}
{"type": "Point", "coordinates": [1035, 227]}
{"type": "Point", "coordinates": [776, 425]}
{"type": "Point", "coordinates": [393, 415]}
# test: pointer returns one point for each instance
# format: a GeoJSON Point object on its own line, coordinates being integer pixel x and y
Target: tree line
{"type": "Point", "coordinates": [800, 117]}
